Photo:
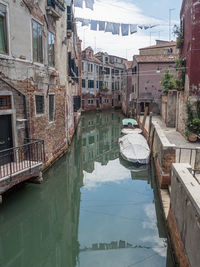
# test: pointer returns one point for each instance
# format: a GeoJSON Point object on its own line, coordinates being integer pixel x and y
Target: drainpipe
{"type": "Point", "coordinates": [138, 69]}
{"type": "Point", "coordinates": [25, 105]}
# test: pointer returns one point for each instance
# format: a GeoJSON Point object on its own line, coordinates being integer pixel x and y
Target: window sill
{"type": "Point", "coordinates": [39, 115]}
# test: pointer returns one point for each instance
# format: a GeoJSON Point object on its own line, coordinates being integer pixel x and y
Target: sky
{"type": "Point", "coordinates": [131, 12]}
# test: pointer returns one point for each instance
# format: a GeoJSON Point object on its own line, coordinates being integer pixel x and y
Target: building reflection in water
{"type": "Point", "coordinates": [39, 224]}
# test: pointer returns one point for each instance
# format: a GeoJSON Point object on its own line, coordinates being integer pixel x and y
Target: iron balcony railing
{"type": "Point", "coordinates": [22, 158]}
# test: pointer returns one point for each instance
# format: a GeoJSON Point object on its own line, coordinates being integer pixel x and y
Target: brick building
{"type": "Point", "coordinates": [102, 80]}
{"type": "Point", "coordinates": [189, 53]}
{"type": "Point", "coordinates": [36, 100]}
{"type": "Point", "coordinates": [147, 71]}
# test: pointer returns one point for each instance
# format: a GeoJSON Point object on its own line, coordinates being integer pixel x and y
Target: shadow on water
{"type": "Point", "coordinates": [93, 209]}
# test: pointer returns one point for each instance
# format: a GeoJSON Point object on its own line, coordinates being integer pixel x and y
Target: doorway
{"type": "Point", "coordinates": [5, 138]}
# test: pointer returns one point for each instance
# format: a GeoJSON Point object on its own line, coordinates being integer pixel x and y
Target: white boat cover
{"type": "Point", "coordinates": [134, 148]}
{"type": "Point", "coordinates": [131, 131]}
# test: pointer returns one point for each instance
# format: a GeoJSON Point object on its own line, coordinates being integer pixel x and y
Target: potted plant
{"type": "Point", "coordinates": [193, 124]}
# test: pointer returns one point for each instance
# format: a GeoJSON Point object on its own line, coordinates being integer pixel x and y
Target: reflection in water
{"type": "Point", "coordinates": [94, 210]}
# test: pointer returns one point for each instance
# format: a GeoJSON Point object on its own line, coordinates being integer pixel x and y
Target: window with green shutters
{"type": "Point", "coordinates": [37, 43]}
{"type": "Point", "coordinates": [3, 30]}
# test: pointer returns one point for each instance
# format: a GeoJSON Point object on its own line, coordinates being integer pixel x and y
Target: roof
{"type": "Point", "coordinates": [156, 58]}
{"type": "Point", "coordinates": [159, 45]}
{"type": "Point", "coordinates": [92, 59]}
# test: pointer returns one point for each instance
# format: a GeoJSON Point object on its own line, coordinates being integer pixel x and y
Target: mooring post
{"type": "Point", "coordinates": [197, 160]}
{"type": "Point", "coordinates": [150, 124]}
{"type": "Point", "coordinates": [145, 117]}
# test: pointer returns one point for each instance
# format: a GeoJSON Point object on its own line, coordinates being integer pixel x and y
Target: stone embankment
{"type": "Point", "coordinates": [175, 159]}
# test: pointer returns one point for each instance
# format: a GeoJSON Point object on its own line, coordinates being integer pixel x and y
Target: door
{"type": "Point", "coordinates": [97, 103]}
{"type": "Point", "coordinates": [5, 138]}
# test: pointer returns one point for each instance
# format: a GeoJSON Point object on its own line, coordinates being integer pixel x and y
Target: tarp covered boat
{"type": "Point", "coordinates": [129, 122]}
{"type": "Point", "coordinates": [131, 131]}
{"type": "Point", "coordinates": [134, 148]}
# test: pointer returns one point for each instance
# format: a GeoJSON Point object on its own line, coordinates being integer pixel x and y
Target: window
{"type": "Point", "coordinates": [90, 84]}
{"type": "Point", "coordinates": [97, 84]}
{"type": "Point", "coordinates": [76, 102]}
{"type": "Point", "coordinates": [90, 101]}
{"type": "Point", "coordinates": [51, 107]}
{"type": "Point", "coordinates": [91, 140]}
{"type": "Point", "coordinates": [113, 86]}
{"type": "Point", "coordinates": [106, 59]}
{"type": "Point", "coordinates": [51, 49]}
{"type": "Point", "coordinates": [39, 102]}
{"type": "Point", "coordinates": [117, 72]}
{"type": "Point", "coordinates": [82, 66]}
{"type": "Point", "coordinates": [5, 102]}
{"type": "Point", "coordinates": [3, 30]}
{"type": "Point", "coordinates": [100, 84]}
{"type": "Point", "coordinates": [37, 43]}
{"type": "Point", "coordinates": [83, 83]}
{"type": "Point", "coordinates": [90, 67]}
{"type": "Point", "coordinates": [107, 70]}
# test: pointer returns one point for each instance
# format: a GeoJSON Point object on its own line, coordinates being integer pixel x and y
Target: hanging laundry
{"type": "Point", "coordinates": [79, 19]}
{"type": "Point", "coordinates": [89, 4]}
{"type": "Point", "coordinates": [152, 26]}
{"type": "Point", "coordinates": [125, 29]}
{"type": "Point", "coordinates": [93, 25]}
{"type": "Point", "coordinates": [109, 27]}
{"type": "Point", "coordinates": [146, 27]}
{"type": "Point", "coordinates": [133, 28]}
{"type": "Point", "coordinates": [116, 28]}
{"type": "Point", "coordinates": [102, 25]}
{"type": "Point", "coordinates": [85, 22]}
{"type": "Point", "coordinates": [140, 26]}
{"type": "Point", "coordinates": [78, 3]}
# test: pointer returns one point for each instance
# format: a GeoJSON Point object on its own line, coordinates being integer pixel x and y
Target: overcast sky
{"type": "Point", "coordinates": [129, 11]}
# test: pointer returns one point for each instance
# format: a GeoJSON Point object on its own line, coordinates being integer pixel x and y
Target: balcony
{"type": "Point", "coordinates": [21, 163]}
{"type": "Point", "coordinates": [55, 8]}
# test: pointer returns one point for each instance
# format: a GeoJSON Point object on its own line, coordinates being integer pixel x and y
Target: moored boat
{"type": "Point", "coordinates": [134, 148]}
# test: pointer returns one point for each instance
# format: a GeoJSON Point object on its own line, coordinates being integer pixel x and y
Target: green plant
{"type": "Point", "coordinates": [178, 32]}
{"type": "Point", "coordinates": [193, 122]}
{"type": "Point", "coordinates": [187, 132]}
{"type": "Point", "coordinates": [180, 68]}
{"type": "Point", "coordinates": [168, 81]}
{"type": "Point", "coordinates": [194, 125]}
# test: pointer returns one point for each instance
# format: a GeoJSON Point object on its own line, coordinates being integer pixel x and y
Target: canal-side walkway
{"type": "Point", "coordinates": [185, 155]}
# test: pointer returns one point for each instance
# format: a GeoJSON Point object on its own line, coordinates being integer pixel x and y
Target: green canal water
{"type": "Point", "coordinates": [93, 209]}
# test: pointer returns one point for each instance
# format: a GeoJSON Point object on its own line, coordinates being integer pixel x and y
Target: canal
{"type": "Point", "coordinates": [93, 209]}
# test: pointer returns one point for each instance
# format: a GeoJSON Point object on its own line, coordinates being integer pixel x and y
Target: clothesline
{"type": "Point", "coordinates": [79, 3]}
{"type": "Point", "coordinates": [114, 27]}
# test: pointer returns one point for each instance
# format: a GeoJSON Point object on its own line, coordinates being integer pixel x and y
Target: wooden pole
{"type": "Point", "coordinates": [150, 124]}
{"type": "Point", "coordinates": [145, 117]}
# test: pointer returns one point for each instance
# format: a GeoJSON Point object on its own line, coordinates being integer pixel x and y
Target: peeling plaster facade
{"type": "Point", "coordinates": [21, 72]}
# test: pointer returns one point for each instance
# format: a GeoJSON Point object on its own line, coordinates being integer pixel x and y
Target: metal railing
{"type": "Point", "coordinates": [186, 155]}
{"type": "Point", "coordinates": [24, 157]}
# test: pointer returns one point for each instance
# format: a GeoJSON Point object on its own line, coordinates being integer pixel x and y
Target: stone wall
{"type": "Point", "coordinates": [184, 217]}
{"type": "Point", "coordinates": [169, 108]}
{"type": "Point", "coordinates": [164, 154]}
